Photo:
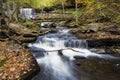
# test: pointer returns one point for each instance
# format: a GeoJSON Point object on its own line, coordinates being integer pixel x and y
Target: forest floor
{"type": "Point", "coordinates": [16, 63]}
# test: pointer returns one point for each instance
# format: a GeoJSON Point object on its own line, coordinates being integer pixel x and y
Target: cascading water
{"type": "Point", "coordinates": [56, 66]}
{"type": "Point", "coordinates": [27, 12]}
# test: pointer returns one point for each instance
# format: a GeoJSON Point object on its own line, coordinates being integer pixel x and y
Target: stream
{"type": "Point", "coordinates": [55, 53]}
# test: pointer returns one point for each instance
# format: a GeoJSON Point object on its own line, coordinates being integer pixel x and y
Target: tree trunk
{"type": "Point", "coordinates": [2, 3]}
{"type": "Point", "coordinates": [63, 8]}
{"type": "Point", "coordinates": [0, 8]}
{"type": "Point", "coordinates": [76, 8]}
{"type": "Point", "coordinates": [9, 10]}
{"type": "Point", "coordinates": [14, 14]}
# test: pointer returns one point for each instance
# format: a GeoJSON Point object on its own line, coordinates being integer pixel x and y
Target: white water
{"type": "Point", "coordinates": [26, 12]}
{"type": "Point", "coordinates": [54, 66]}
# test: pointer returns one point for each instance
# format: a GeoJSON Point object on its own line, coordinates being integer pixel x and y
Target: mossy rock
{"type": "Point", "coordinates": [83, 29]}
{"type": "Point", "coordinates": [30, 35]}
{"type": "Point", "coordinates": [72, 24]}
{"type": "Point", "coordinates": [53, 31]}
{"type": "Point", "coordinates": [118, 30]}
{"type": "Point", "coordinates": [95, 27]}
{"type": "Point", "coordinates": [29, 24]}
{"type": "Point", "coordinates": [28, 40]}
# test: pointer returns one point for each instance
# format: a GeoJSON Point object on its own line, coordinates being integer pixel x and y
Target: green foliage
{"type": "Point", "coordinates": [3, 62]}
{"type": "Point", "coordinates": [100, 6]}
{"type": "Point", "coordinates": [32, 25]}
{"type": "Point", "coordinates": [29, 24]}
{"type": "Point", "coordinates": [101, 11]}
{"type": "Point", "coordinates": [35, 3]}
{"type": "Point", "coordinates": [117, 19]}
{"type": "Point", "coordinates": [118, 30]}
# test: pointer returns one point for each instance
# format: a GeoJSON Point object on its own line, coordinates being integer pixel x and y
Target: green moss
{"type": "Point", "coordinates": [29, 24]}
{"type": "Point", "coordinates": [118, 30]}
{"type": "Point", "coordinates": [32, 25]}
{"type": "Point", "coordinates": [117, 19]}
{"type": "Point", "coordinates": [100, 11]}
{"type": "Point", "coordinates": [3, 62]}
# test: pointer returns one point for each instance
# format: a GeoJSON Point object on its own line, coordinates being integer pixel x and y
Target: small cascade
{"type": "Point", "coordinates": [26, 12]}
{"type": "Point", "coordinates": [53, 65]}
{"type": "Point", "coordinates": [76, 43]}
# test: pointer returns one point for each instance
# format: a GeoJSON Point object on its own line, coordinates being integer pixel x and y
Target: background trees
{"type": "Point", "coordinates": [91, 9]}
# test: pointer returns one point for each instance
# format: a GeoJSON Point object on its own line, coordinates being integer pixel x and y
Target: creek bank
{"type": "Point", "coordinates": [14, 57]}
{"type": "Point", "coordinates": [105, 37]}
{"type": "Point", "coordinates": [98, 34]}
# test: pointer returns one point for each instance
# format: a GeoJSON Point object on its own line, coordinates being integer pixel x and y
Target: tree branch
{"type": "Point", "coordinates": [65, 49]}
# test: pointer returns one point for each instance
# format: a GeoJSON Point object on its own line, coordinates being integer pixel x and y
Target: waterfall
{"type": "Point", "coordinates": [53, 65]}
{"type": "Point", "coordinates": [26, 12]}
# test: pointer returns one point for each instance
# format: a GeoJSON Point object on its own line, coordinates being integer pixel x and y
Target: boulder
{"type": "Point", "coordinates": [95, 27]}
{"type": "Point", "coordinates": [48, 25]}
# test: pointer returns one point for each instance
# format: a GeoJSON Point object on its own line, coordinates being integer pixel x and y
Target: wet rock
{"type": "Point", "coordinates": [60, 52]}
{"type": "Point", "coordinates": [53, 25]}
{"type": "Point", "coordinates": [118, 51]}
{"type": "Point", "coordinates": [103, 42]}
{"type": "Point", "coordinates": [96, 66]}
{"type": "Point", "coordinates": [79, 57]}
{"type": "Point", "coordinates": [78, 63]}
{"type": "Point", "coordinates": [109, 51]}
{"type": "Point", "coordinates": [48, 25]}
{"type": "Point", "coordinates": [117, 68]}
{"type": "Point", "coordinates": [30, 35]}
{"type": "Point", "coordinates": [98, 51]}
{"type": "Point", "coordinates": [53, 30]}
{"type": "Point", "coordinates": [92, 57]}
{"type": "Point", "coordinates": [79, 60]}
{"type": "Point", "coordinates": [27, 40]}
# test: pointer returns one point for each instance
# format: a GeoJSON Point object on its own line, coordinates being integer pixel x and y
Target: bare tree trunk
{"type": "Point", "coordinates": [1, 7]}
{"type": "Point", "coordinates": [9, 10]}
{"type": "Point", "coordinates": [15, 11]}
{"type": "Point", "coordinates": [76, 8]}
{"type": "Point", "coordinates": [2, 3]}
{"type": "Point", "coordinates": [14, 14]}
{"type": "Point", "coordinates": [63, 7]}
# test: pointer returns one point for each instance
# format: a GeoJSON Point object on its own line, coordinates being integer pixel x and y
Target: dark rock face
{"type": "Point", "coordinates": [103, 42]}
{"type": "Point", "coordinates": [79, 57]}
{"type": "Point", "coordinates": [2, 22]}
{"type": "Point", "coordinates": [28, 40]}
{"type": "Point", "coordinates": [99, 69]}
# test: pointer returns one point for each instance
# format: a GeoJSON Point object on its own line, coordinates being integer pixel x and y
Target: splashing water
{"type": "Point", "coordinates": [54, 66]}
